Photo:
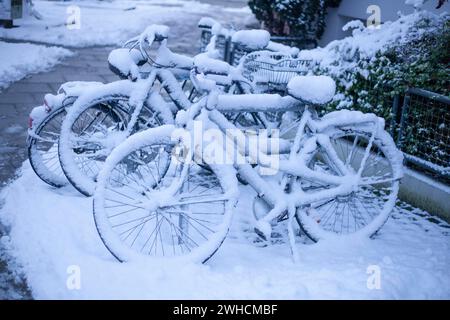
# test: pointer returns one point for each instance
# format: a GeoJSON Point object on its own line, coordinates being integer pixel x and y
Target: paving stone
{"type": "Point", "coordinates": [39, 97]}
{"type": "Point", "coordinates": [109, 78]}
{"type": "Point", "coordinates": [54, 87]}
{"type": "Point", "coordinates": [8, 110]}
{"type": "Point", "coordinates": [51, 77]}
{"type": "Point", "coordinates": [82, 77]}
{"type": "Point", "coordinates": [28, 87]}
{"type": "Point", "coordinates": [21, 97]}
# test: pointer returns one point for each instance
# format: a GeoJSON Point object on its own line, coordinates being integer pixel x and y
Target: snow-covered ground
{"type": "Point", "coordinates": [19, 59]}
{"type": "Point", "coordinates": [52, 233]}
{"type": "Point", "coordinates": [101, 23]}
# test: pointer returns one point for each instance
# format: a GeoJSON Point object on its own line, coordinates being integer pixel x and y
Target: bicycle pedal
{"type": "Point", "coordinates": [241, 179]}
{"type": "Point", "coordinates": [260, 234]}
{"type": "Point", "coordinates": [276, 235]}
{"type": "Point", "coordinates": [283, 217]}
{"type": "Point", "coordinates": [263, 229]}
{"type": "Point", "coordinates": [257, 241]}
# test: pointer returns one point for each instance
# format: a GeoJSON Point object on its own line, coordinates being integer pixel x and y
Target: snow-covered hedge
{"type": "Point", "coordinates": [411, 51]}
{"type": "Point", "coordinates": [373, 65]}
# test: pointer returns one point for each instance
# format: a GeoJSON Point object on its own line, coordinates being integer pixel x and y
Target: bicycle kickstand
{"type": "Point", "coordinates": [291, 234]}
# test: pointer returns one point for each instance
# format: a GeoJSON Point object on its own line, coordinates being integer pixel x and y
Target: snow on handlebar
{"type": "Point", "coordinates": [155, 32]}
{"type": "Point", "coordinates": [125, 62]}
{"type": "Point", "coordinates": [135, 53]}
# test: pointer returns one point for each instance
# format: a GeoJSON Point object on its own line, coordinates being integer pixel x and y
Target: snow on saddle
{"type": "Point", "coordinates": [312, 89]}
{"type": "Point", "coordinates": [125, 62]}
{"type": "Point", "coordinates": [251, 40]}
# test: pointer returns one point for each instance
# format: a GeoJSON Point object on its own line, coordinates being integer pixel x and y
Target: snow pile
{"type": "Point", "coordinates": [252, 39]}
{"type": "Point", "coordinates": [206, 22]}
{"type": "Point", "coordinates": [17, 60]}
{"type": "Point", "coordinates": [279, 47]}
{"type": "Point", "coordinates": [54, 237]}
{"type": "Point", "coordinates": [345, 56]}
{"type": "Point", "coordinates": [125, 61]}
{"type": "Point", "coordinates": [313, 89]}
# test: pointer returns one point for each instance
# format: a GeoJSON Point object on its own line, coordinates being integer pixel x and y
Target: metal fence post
{"type": "Point", "coordinates": [226, 50]}
{"type": "Point", "coordinates": [394, 112]}
{"type": "Point", "coordinates": [403, 120]}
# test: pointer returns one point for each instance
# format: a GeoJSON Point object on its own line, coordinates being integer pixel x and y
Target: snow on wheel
{"type": "Point", "coordinates": [363, 211]}
{"type": "Point", "coordinates": [90, 132]}
{"type": "Point", "coordinates": [43, 149]}
{"type": "Point", "coordinates": [148, 206]}
{"type": "Point", "coordinates": [85, 133]}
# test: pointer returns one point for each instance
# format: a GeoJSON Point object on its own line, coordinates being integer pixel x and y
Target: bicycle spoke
{"type": "Point", "coordinates": [171, 229]}
{"type": "Point", "coordinates": [348, 213]}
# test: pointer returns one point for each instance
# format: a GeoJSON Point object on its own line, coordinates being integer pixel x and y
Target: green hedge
{"type": "Point", "coordinates": [423, 62]}
{"type": "Point", "coordinates": [294, 18]}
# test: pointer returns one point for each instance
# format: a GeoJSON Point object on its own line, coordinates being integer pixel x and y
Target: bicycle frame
{"type": "Point", "coordinates": [168, 82]}
{"type": "Point", "coordinates": [175, 91]}
{"type": "Point", "coordinates": [309, 136]}
{"type": "Point", "coordinates": [166, 76]}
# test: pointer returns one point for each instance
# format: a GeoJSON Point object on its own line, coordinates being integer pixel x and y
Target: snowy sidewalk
{"type": "Point", "coordinates": [53, 234]}
{"type": "Point", "coordinates": [18, 99]}
{"type": "Point", "coordinates": [15, 104]}
{"type": "Point", "coordinates": [90, 64]}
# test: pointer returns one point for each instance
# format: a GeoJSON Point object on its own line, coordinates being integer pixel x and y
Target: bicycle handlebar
{"type": "Point", "coordinates": [155, 32]}
{"type": "Point", "coordinates": [125, 62]}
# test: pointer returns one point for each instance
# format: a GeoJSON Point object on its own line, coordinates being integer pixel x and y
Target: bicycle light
{"type": "Point", "coordinates": [47, 102]}
{"type": "Point", "coordinates": [30, 122]}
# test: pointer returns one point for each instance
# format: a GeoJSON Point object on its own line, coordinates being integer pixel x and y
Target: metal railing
{"type": "Point", "coordinates": [424, 131]}
{"type": "Point", "coordinates": [233, 52]}
{"type": "Point", "coordinates": [419, 122]}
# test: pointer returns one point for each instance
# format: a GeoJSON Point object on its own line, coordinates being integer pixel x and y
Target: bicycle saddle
{"type": "Point", "coordinates": [125, 62]}
{"type": "Point", "coordinates": [312, 89]}
{"type": "Point", "coordinates": [251, 40]}
{"type": "Point", "coordinates": [207, 23]}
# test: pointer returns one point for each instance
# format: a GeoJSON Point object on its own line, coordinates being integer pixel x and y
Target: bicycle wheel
{"type": "Point", "coordinates": [43, 149]}
{"type": "Point", "coordinates": [91, 131]}
{"type": "Point", "coordinates": [365, 210]}
{"type": "Point", "coordinates": [150, 207]}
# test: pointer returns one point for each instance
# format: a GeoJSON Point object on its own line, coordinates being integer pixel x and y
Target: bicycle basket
{"type": "Point", "coordinates": [265, 67]}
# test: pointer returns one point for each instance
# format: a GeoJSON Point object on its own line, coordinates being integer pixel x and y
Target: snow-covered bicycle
{"type": "Point", "coordinates": [89, 132]}
{"type": "Point", "coordinates": [162, 198]}
{"type": "Point", "coordinates": [44, 126]}
{"type": "Point", "coordinates": [44, 123]}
